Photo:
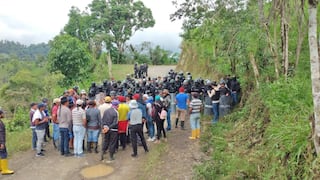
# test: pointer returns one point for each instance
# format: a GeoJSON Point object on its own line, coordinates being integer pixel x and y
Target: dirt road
{"type": "Point", "coordinates": [175, 161]}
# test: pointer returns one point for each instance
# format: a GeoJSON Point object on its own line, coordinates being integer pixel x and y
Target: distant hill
{"type": "Point", "coordinates": [22, 51]}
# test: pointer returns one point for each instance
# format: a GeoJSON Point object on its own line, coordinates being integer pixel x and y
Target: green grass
{"type": "Point", "coordinates": [18, 141]}
{"type": "Point", "coordinates": [269, 138]}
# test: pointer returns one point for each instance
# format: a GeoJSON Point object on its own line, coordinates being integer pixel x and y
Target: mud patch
{"type": "Point", "coordinates": [96, 171]}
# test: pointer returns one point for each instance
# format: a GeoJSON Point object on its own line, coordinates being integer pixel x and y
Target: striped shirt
{"type": "Point", "coordinates": [196, 105]}
{"type": "Point", "coordinates": [78, 115]}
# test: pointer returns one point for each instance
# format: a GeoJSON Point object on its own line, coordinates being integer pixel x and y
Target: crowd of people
{"type": "Point", "coordinates": [119, 110]}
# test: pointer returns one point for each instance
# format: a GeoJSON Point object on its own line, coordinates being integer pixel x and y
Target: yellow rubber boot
{"type": "Point", "coordinates": [4, 165]}
{"type": "Point", "coordinates": [198, 133]}
{"type": "Point", "coordinates": [0, 166]}
{"type": "Point", "coordinates": [193, 134]}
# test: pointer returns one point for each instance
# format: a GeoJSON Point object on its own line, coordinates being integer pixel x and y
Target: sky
{"type": "Point", "coordinates": [36, 21]}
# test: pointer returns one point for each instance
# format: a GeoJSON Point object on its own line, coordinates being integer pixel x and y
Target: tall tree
{"type": "Point", "coordinates": [119, 19]}
{"type": "Point", "coordinates": [69, 56]}
{"type": "Point", "coordinates": [315, 69]}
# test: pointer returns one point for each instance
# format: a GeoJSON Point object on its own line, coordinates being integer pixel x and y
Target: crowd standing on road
{"type": "Point", "coordinates": [119, 110]}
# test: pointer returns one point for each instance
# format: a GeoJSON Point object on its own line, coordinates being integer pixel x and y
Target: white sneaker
{"type": "Point", "coordinates": [149, 139]}
{"type": "Point", "coordinates": [153, 139]}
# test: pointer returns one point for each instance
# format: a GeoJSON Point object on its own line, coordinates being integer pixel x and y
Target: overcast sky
{"type": "Point", "coordinates": [36, 21]}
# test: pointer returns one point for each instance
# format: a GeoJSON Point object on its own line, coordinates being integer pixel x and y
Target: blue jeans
{"type": "Point", "coordinates": [64, 145]}
{"type": "Point", "coordinates": [195, 121]}
{"type": "Point", "coordinates": [215, 108]}
{"type": "Point", "coordinates": [56, 132]}
{"type": "Point", "coordinates": [34, 138]}
{"type": "Point", "coordinates": [169, 119]}
{"type": "Point", "coordinates": [151, 127]}
{"type": "Point", "coordinates": [78, 132]}
{"type": "Point", "coordinates": [234, 96]}
{"type": "Point", "coordinates": [93, 135]}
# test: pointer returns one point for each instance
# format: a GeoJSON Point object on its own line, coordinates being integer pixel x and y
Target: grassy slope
{"type": "Point", "coordinates": [269, 138]}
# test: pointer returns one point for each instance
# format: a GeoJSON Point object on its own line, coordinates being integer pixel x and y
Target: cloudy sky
{"type": "Point", "coordinates": [35, 21]}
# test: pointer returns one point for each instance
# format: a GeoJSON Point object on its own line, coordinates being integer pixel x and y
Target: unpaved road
{"type": "Point", "coordinates": [174, 163]}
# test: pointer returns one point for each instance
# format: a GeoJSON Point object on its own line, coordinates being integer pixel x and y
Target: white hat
{"type": "Point", "coordinates": [79, 102]}
{"type": "Point", "coordinates": [133, 104]}
{"type": "Point", "coordinates": [83, 91]}
{"type": "Point", "coordinates": [145, 96]}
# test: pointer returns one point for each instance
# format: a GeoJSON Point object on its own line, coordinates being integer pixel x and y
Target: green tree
{"type": "Point", "coordinates": [118, 20]}
{"type": "Point", "coordinates": [69, 56]}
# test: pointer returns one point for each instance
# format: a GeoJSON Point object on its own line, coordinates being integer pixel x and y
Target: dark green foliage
{"type": "Point", "coordinates": [69, 56]}
{"type": "Point", "coordinates": [23, 52]}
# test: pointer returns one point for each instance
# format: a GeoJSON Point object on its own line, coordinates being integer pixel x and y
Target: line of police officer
{"type": "Point", "coordinates": [172, 82]}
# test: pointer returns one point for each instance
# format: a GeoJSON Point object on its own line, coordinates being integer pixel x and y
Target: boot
{"type": "Point", "coordinates": [182, 125]}
{"type": "Point", "coordinates": [4, 166]}
{"type": "Point", "coordinates": [193, 134]}
{"type": "Point", "coordinates": [198, 133]}
{"type": "Point", "coordinates": [177, 120]}
{"type": "Point", "coordinates": [111, 157]}
{"type": "Point", "coordinates": [89, 147]}
{"type": "Point", "coordinates": [96, 148]}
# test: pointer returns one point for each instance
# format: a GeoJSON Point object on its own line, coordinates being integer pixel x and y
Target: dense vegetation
{"type": "Point", "coordinates": [265, 44]}
{"type": "Point", "coordinates": [23, 52]}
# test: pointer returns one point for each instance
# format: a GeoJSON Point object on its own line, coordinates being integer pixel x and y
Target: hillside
{"type": "Point", "coordinates": [268, 136]}
{"type": "Point", "coordinates": [23, 52]}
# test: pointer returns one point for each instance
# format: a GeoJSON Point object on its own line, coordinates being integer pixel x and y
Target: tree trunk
{"type": "Point", "coordinates": [301, 31]}
{"type": "Point", "coordinates": [265, 24]}
{"type": "Point", "coordinates": [315, 74]}
{"type": "Point", "coordinates": [109, 65]}
{"type": "Point", "coordinates": [255, 68]}
{"type": "Point", "coordinates": [284, 37]}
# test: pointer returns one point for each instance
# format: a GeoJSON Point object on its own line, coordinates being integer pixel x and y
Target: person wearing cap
{"type": "Point", "coordinates": [123, 121]}
{"type": "Point", "coordinates": [64, 119]}
{"type": "Point", "coordinates": [214, 94]}
{"type": "Point", "coordinates": [93, 117]}
{"type": "Point", "coordinates": [182, 101]}
{"type": "Point", "coordinates": [106, 105]}
{"type": "Point", "coordinates": [195, 109]}
{"type": "Point", "coordinates": [109, 125]}
{"type": "Point", "coordinates": [79, 122]}
{"type": "Point", "coordinates": [33, 108]}
{"type": "Point", "coordinates": [55, 126]}
{"type": "Point", "coordinates": [40, 120]}
{"type": "Point", "coordinates": [3, 149]}
{"type": "Point", "coordinates": [136, 127]}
